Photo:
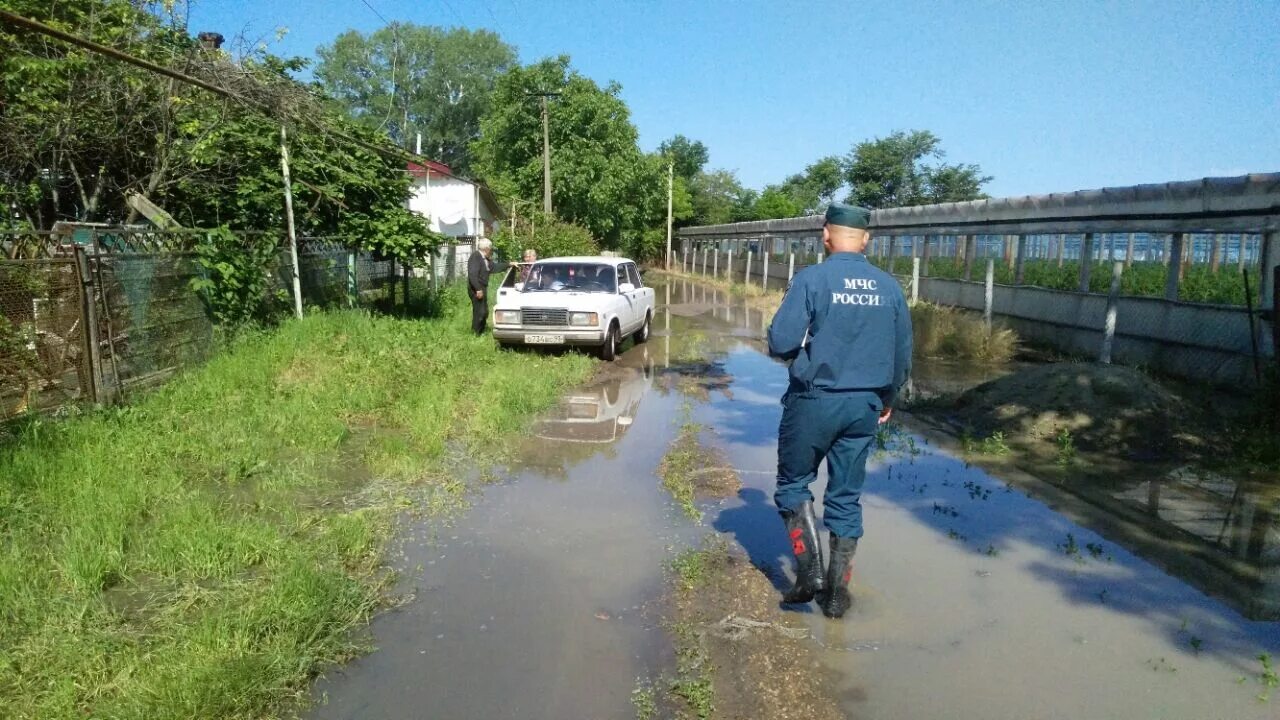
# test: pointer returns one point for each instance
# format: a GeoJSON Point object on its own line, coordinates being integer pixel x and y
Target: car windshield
{"type": "Point", "coordinates": [581, 277]}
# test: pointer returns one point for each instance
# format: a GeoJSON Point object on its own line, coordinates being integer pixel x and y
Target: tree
{"type": "Point", "coordinates": [891, 172]}
{"type": "Point", "coordinates": [85, 131]}
{"type": "Point", "coordinates": [688, 156]}
{"type": "Point", "coordinates": [775, 202]}
{"type": "Point", "coordinates": [600, 179]}
{"type": "Point", "coordinates": [956, 183]}
{"type": "Point", "coordinates": [816, 186]}
{"type": "Point", "coordinates": [407, 79]}
{"type": "Point", "coordinates": [715, 197]}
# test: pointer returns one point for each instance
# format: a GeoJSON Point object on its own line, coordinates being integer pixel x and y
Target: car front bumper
{"type": "Point", "coordinates": [572, 336]}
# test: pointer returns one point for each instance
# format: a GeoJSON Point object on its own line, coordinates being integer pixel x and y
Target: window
{"type": "Point", "coordinates": [581, 277]}
{"type": "Point", "coordinates": [634, 276]}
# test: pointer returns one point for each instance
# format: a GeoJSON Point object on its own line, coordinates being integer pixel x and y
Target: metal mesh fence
{"type": "Point", "coordinates": [97, 313]}
{"type": "Point", "coordinates": [43, 364]}
{"type": "Point", "coordinates": [151, 321]}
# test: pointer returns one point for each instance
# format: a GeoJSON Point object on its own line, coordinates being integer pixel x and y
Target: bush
{"type": "Point", "coordinates": [237, 276]}
{"type": "Point", "coordinates": [548, 235]}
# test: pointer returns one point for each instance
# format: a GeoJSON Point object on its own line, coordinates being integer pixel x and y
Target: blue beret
{"type": "Point", "coordinates": [848, 215]}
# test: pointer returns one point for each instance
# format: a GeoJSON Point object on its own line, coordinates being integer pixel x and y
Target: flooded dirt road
{"type": "Point", "coordinates": [974, 598]}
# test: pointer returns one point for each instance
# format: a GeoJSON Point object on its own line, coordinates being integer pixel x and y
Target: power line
{"type": "Point", "coordinates": [456, 16]}
{"type": "Point", "coordinates": [375, 12]}
{"type": "Point", "coordinates": [389, 152]}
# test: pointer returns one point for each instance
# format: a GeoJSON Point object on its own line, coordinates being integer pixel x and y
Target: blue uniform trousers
{"type": "Point", "coordinates": [840, 427]}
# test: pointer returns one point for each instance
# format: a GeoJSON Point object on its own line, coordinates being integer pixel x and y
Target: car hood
{"type": "Point", "coordinates": [568, 299]}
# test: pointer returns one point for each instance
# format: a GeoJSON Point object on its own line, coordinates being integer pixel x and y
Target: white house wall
{"type": "Point", "coordinates": [450, 204]}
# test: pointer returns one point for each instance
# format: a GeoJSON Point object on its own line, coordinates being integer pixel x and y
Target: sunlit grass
{"type": "Point", "coordinates": [197, 554]}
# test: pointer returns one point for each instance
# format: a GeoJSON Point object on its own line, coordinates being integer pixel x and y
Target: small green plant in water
{"type": "Point", "coordinates": [1070, 548]}
{"type": "Point", "coordinates": [644, 699]}
{"type": "Point", "coordinates": [1066, 448]}
{"type": "Point", "coordinates": [690, 568]}
{"type": "Point", "coordinates": [1267, 677]}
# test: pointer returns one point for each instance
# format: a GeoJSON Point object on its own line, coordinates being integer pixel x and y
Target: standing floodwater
{"type": "Point", "coordinates": [974, 600]}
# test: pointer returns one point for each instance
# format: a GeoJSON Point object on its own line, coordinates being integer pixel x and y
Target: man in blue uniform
{"type": "Point", "coordinates": [845, 327]}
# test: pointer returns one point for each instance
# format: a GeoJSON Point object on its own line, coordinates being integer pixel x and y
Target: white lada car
{"type": "Point", "coordinates": [586, 301]}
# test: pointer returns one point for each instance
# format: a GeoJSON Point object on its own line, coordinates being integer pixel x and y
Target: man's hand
{"type": "Point", "coordinates": [885, 414]}
{"type": "Point", "coordinates": [479, 294]}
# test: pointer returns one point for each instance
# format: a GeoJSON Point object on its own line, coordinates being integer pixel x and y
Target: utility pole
{"type": "Point", "coordinates": [288, 214]}
{"type": "Point", "coordinates": [670, 180]}
{"type": "Point", "coordinates": [546, 149]}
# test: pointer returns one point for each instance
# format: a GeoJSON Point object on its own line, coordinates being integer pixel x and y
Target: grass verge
{"type": "Point", "coordinates": [203, 552]}
{"type": "Point", "coordinates": [737, 654]}
{"type": "Point", "coordinates": [691, 470]}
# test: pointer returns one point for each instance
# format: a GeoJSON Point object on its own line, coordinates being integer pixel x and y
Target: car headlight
{"type": "Point", "coordinates": [506, 317]}
{"type": "Point", "coordinates": [584, 318]}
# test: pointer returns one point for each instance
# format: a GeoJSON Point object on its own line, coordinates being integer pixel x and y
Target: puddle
{"type": "Point", "coordinates": [541, 602]}
{"type": "Point", "coordinates": [974, 600]}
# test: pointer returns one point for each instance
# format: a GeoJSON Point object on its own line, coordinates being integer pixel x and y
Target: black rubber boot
{"type": "Point", "coordinates": [802, 530]}
{"type": "Point", "coordinates": [836, 600]}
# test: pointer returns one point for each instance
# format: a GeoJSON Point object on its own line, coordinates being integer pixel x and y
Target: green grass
{"type": "Point", "coordinates": [678, 465]}
{"type": "Point", "coordinates": [1143, 279]}
{"type": "Point", "coordinates": [192, 555]}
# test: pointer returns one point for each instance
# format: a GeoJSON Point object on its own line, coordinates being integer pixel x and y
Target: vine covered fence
{"type": "Point", "coordinates": [93, 315]}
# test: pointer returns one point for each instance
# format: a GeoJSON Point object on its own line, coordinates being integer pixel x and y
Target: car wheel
{"type": "Point", "coordinates": [642, 335]}
{"type": "Point", "coordinates": [609, 350]}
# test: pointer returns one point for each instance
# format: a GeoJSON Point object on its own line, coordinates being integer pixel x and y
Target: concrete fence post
{"type": "Point", "coordinates": [764, 269]}
{"type": "Point", "coordinates": [1062, 248]}
{"type": "Point", "coordinates": [915, 280]}
{"type": "Point", "coordinates": [1240, 255]}
{"type": "Point", "coordinates": [1174, 261]}
{"type": "Point", "coordinates": [728, 263]}
{"type": "Point", "coordinates": [990, 294]}
{"type": "Point", "coordinates": [1269, 262]}
{"type": "Point", "coordinates": [1086, 261]}
{"type": "Point", "coordinates": [1215, 248]}
{"type": "Point", "coordinates": [1021, 260]}
{"type": "Point", "coordinates": [970, 254]}
{"type": "Point", "coordinates": [1128, 252]}
{"type": "Point", "coordinates": [821, 256]}
{"type": "Point", "coordinates": [715, 264]}
{"type": "Point", "coordinates": [353, 292]}
{"type": "Point", "coordinates": [746, 274]}
{"type": "Point", "coordinates": [925, 252]}
{"type": "Point", "coordinates": [791, 267]}
{"type": "Point", "coordinates": [1109, 324]}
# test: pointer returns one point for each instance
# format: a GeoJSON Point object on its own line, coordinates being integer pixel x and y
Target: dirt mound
{"type": "Point", "coordinates": [1087, 406]}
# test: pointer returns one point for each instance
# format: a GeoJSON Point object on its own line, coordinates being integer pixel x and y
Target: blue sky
{"type": "Point", "coordinates": [1046, 96]}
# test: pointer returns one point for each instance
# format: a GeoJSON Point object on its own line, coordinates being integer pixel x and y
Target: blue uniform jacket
{"type": "Point", "coordinates": [844, 324]}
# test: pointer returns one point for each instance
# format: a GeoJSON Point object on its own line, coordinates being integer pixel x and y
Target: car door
{"type": "Point", "coordinates": [643, 296]}
{"type": "Point", "coordinates": [632, 311]}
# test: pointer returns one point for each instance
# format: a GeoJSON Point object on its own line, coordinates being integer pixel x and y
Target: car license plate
{"type": "Point", "coordinates": [544, 339]}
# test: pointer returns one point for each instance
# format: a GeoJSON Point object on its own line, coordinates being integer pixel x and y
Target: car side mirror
{"type": "Point", "coordinates": [626, 287]}
{"type": "Point", "coordinates": [519, 287]}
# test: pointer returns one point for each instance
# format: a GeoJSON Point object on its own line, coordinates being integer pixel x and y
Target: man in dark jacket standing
{"type": "Point", "coordinates": [845, 327]}
{"type": "Point", "coordinates": [479, 266]}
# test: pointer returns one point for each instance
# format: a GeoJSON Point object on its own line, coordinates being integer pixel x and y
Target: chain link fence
{"type": "Point", "coordinates": [96, 314]}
